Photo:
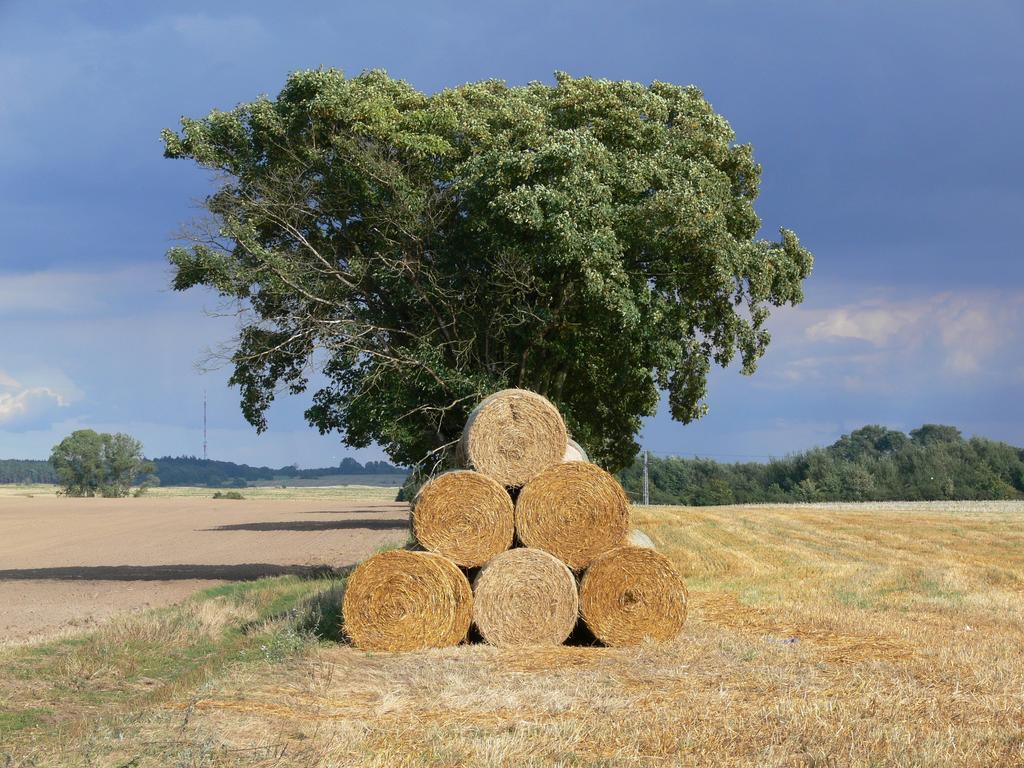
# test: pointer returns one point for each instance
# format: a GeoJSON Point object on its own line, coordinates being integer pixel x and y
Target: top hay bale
{"type": "Point", "coordinates": [514, 435]}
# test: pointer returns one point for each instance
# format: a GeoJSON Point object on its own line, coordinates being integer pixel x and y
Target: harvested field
{"type": "Point", "coordinates": [68, 563]}
{"type": "Point", "coordinates": [853, 635]}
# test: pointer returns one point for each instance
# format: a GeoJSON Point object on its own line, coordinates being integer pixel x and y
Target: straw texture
{"type": "Point", "coordinates": [631, 594]}
{"type": "Point", "coordinates": [574, 452]}
{"type": "Point", "coordinates": [573, 510]}
{"type": "Point", "coordinates": [465, 516]}
{"type": "Point", "coordinates": [512, 436]}
{"type": "Point", "coordinates": [525, 597]}
{"type": "Point", "coordinates": [404, 601]}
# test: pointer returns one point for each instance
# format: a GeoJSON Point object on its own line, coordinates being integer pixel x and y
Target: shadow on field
{"type": "Point", "coordinates": [239, 572]}
{"type": "Point", "coordinates": [388, 507]}
{"type": "Point", "coordinates": [316, 525]}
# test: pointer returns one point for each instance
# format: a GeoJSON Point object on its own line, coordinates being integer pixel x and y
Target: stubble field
{"type": "Point", "coordinates": [881, 634]}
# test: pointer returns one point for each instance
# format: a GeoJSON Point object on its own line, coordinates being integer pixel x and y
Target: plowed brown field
{"type": "Point", "coordinates": [69, 563]}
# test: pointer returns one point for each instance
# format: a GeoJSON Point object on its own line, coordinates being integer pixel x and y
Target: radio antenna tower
{"type": "Point", "coordinates": [204, 425]}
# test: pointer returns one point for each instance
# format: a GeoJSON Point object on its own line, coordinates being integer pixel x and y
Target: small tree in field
{"type": "Point", "coordinates": [90, 463]}
{"type": "Point", "coordinates": [594, 241]}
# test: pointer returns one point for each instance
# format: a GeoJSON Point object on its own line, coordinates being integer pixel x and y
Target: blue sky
{"type": "Point", "coordinates": [889, 134]}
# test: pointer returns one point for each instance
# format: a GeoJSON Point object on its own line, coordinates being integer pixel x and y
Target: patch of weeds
{"type": "Point", "coordinates": [854, 598]}
{"type": "Point", "coordinates": [936, 590]}
{"type": "Point", "coordinates": [703, 583]}
{"type": "Point", "coordinates": [322, 615]}
{"type": "Point", "coordinates": [19, 719]}
{"type": "Point", "coordinates": [288, 601]}
{"type": "Point", "coordinates": [407, 544]}
{"type": "Point", "coordinates": [228, 495]}
{"type": "Point", "coordinates": [917, 583]}
{"type": "Point", "coordinates": [283, 643]}
{"type": "Point", "coordinates": [234, 591]}
{"type": "Point", "coordinates": [1001, 577]}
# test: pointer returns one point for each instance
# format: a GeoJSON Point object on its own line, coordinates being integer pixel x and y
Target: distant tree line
{"type": "Point", "coordinates": [27, 471]}
{"type": "Point", "coordinates": [188, 470]}
{"type": "Point", "coordinates": [870, 464]}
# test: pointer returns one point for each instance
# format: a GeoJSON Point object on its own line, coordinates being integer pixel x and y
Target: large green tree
{"type": "Point", "coordinates": [90, 463]}
{"type": "Point", "coordinates": [594, 241]}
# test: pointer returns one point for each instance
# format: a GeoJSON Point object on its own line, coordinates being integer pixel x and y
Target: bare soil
{"type": "Point", "coordinates": [70, 563]}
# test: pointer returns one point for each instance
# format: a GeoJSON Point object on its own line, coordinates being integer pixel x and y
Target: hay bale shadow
{"type": "Point", "coordinates": [582, 637]}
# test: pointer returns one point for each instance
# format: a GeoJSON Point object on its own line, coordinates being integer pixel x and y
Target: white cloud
{"type": "Point", "coordinates": [27, 403]}
{"type": "Point", "coordinates": [878, 325]}
{"type": "Point", "coordinates": [955, 334]}
{"type": "Point", "coordinates": [30, 400]}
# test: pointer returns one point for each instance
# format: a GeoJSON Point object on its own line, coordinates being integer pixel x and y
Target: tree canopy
{"type": "Point", "coordinates": [594, 241]}
{"type": "Point", "coordinates": [90, 463]}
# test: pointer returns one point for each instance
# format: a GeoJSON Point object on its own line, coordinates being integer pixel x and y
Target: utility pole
{"type": "Point", "coordinates": [647, 489]}
{"type": "Point", "coordinates": [204, 425]}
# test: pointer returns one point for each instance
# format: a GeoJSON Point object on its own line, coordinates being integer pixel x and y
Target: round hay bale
{"type": "Point", "coordinates": [575, 511]}
{"type": "Point", "coordinates": [574, 452]}
{"type": "Point", "coordinates": [404, 601]}
{"type": "Point", "coordinates": [525, 597]}
{"type": "Point", "coordinates": [631, 594]}
{"type": "Point", "coordinates": [465, 516]}
{"type": "Point", "coordinates": [638, 538]}
{"type": "Point", "coordinates": [513, 435]}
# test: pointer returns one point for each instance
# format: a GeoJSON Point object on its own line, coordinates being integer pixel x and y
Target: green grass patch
{"type": "Point", "coordinates": [12, 720]}
{"type": "Point", "coordinates": [56, 692]}
{"type": "Point", "coordinates": [855, 598]}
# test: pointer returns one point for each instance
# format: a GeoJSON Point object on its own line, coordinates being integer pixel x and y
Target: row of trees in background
{"type": "Point", "coordinates": [870, 464]}
{"type": "Point", "coordinates": [188, 470]}
{"type": "Point", "coordinates": [22, 471]}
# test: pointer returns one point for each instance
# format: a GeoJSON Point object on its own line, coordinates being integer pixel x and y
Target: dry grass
{"type": "Point", "coordinates": [849, 635]}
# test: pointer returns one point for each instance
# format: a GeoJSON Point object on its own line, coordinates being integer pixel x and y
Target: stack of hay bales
{"type": "Point", "coordinates": [542, 535]}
